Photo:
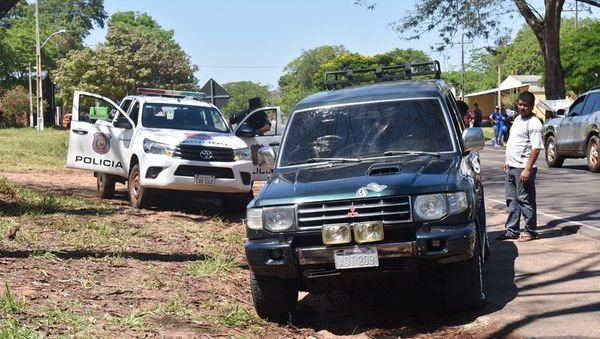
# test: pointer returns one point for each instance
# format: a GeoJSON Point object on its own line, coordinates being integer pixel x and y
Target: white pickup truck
{"type": "Point", "coordinates": [167, 140]}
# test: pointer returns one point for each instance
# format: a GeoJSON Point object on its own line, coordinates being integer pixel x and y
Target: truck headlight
{"type": "Point", "coordinates": [242, 154]}
{"type": "Point", "coordinates": [436, 206]}
{"type": "Point", "coordinates": [154, 147]}
{"type": "Point", "coordinates": [279, 219]}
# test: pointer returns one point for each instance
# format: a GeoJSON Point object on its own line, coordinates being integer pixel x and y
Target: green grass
{"type": "Point", "coordinates": [210, 267]}
{"type": "Point", "coordinates": [11, 328]}
{"type": "Point", "coordinates": [10, 303]}
{"type": "Point", "coordinates": [25, 149]}
{"type": "Point", "coordinates": [488, 133]}
{"type": "Point", "coordinates": [132, 321]}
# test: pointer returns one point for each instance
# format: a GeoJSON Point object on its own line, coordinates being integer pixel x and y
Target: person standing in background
{"type": "Point", "coordinates": [477, 116]}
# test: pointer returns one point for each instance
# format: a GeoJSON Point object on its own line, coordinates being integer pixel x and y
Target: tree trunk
{"type": "Point", "coordinates": [554, 83]}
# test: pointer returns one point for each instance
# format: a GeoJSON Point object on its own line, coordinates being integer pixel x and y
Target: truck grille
{"type": "Point", "coordinates": [388, 210]}
{"type": "Point", "coordinates": [203, 153]}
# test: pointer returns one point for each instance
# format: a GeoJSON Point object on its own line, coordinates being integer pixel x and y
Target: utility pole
{"type": "Point", "coordinates": [38, 63]}
{"type": "Point", "coordinates": [462, 67]}
{"type": "Point", "coordinates": [31, 124]}
{"type": "Point", "coordinates": [576, 10]}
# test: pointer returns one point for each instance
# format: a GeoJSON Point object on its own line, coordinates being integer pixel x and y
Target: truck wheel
{"type": "Point", "coordinates": [138, 196]}
{"type": "Point", "coordinates": [593, 159]}
{"type": "Point", "coordinates": [105, 185]}
{"type": "Point", "coordinates": [274, 298]}
{"type": "Point", "coordinates": [237, 202]}
{"type": "Point", "coordinates": [552, 157]}
{"type": "Point", "coordinates": [464, 284]}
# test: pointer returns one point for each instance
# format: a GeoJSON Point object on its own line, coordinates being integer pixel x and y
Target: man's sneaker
{"type": "Point", "coordinates": [506, 236]}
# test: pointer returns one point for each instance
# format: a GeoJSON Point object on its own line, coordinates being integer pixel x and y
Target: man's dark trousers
{"type": "Point", "coordinates": [520, 199]}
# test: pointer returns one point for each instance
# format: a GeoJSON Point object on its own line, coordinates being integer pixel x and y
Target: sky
{"type": "Point", "coordinates": [243, 40]}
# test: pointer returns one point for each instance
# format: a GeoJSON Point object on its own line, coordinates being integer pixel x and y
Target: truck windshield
{"type": "Point", "coordinates": [366, 130]}
{"type": "Point", "coordinates": [184, 117]}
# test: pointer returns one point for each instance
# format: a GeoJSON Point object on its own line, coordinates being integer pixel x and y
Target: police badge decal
{"type": "Point", "coordinates": [101, 143]}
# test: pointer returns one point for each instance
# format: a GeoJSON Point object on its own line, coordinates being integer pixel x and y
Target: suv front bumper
{"type": "Point", "coordinates": [277, 256]}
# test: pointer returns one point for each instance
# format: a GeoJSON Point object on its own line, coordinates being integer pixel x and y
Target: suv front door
{"type": "Point", "coordinates": [98, 145]}
{"type": "Point", "coordinates": [270, 138]}
{"type": "Point", "coordinates": [567, 132]}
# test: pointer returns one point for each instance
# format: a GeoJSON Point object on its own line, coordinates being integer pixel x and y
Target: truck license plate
{"type": "Point", "coordinates": [204, 179]}
{"type": "Point", "coordinates": [356, 257]}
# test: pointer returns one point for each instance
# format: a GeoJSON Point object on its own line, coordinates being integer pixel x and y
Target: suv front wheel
{"type": "Point", "coordinates": [274, 298]}
{"type": "Point", "coordinates": [464, 283]}
{"type": "Point", "coordinates": [592, 154]}
{"type": "Point", "coordinates": [552, 157]}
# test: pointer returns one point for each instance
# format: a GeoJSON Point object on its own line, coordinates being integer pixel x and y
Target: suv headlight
{"type": "Point", "coordinates": [242, 154]}
{"type": "Point", "coordinates": [154, 147]}
{"type": "Point", "coordinates": [436, 206]}
{"type": "Point", "coordinates": [274, 219]}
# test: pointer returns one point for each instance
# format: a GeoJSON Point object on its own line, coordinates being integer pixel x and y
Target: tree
{"type": "Point", "coordinates": [137, 53]}
{"type": "Point", "coordinates": [240, 92]}
{"type": "Point", "coordinates": [14, 106]}
{"type": "Point", "coordinates": [481, 19]}
{"type": "Point", "coordinates": [580, 50]}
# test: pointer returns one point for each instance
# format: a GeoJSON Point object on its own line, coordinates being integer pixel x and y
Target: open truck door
{"type": "Point", "coordinates": [271, 138]}
{"type": "Point", "coordinates": [99, 136]}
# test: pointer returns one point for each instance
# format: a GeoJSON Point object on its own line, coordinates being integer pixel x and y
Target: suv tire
{"type": "Point", "coordinates": [593, 148]}
{"type": "Point", "coordinates": [105, 184]}
{"type": "Point", "coordinates": [552, 157]}
{"type": "Point", "coordinates": [274, 298]}
{"type": "Point", "coordinates": [138, 196]}
{"type": "Point", "coordinates": [464, 287]}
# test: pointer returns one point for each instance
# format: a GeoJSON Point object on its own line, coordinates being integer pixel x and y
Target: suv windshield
{"type": "Point", "coordinates": [366, 130]}
{"type": "Point", "coordinates": [185, 117]}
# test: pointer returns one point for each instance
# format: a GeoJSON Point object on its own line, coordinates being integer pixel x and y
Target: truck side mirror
{"type": "Point", "coordinates": [560, 112]}
{"type": "Point", "coordinates": [473, 139]}
{"type": "Point", "coordinates": [266, 158]}
{"type": "Point", "coordinates": [245, 131]}
{"type": "Point", "coordinates": [122, 122]}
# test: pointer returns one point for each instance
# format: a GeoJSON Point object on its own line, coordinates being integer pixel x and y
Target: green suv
{"type": "Point", "coordinates": [373, 186]}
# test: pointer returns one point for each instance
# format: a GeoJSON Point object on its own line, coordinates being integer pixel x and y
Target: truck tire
{"type": "Point", "coordinates": [138, 195]}
{"type": "Point", "coordinates": [237, 203]}
{"type": "Point", "coordinates": [274, 298]}
{"type": "Point", "coordinates": [464, 283]}
{"type": "Point", "coordinates": [593, 158]}
{"type": "Point", "coordinates": [105, 185]}
{"type": "Point", "coordinates": [552, 157]}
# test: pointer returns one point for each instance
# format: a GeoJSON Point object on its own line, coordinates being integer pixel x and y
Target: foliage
{"type": "Point", "coordinates": [14, 107]}
{"type": "Point", "coordinates": [240, 92]}
{"type": "Point", "coordinates": [580, 50]}
{"type": "Point", "coordinates": [17, 34]}
{"type": "Point", "coordinates": [137, 53]}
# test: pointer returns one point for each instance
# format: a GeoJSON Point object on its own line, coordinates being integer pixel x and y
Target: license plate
{"type": "Point", "coordinates": [204, 179]}
{"type": "Point", "coordinates": [356, 257]}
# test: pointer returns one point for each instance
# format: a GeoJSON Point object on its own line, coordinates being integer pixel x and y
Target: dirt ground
{"type": "Point", "coordinates": [178, 271]}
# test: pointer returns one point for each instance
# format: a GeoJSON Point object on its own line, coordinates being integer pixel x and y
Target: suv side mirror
{"type": "Point", "coordinates": [245, 131]}
{"type": "Point", "coordinates": [122, 122]}
{"type": "Point", "coordinates": [560, 112]}
{"type": "Point", "coordinates": [473, 139]}
{"type": "Point", "coordinates": [266, 158]}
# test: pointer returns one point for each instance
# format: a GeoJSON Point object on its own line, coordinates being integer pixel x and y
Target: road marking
{"type": "Point", "coordinates": [550, 215]}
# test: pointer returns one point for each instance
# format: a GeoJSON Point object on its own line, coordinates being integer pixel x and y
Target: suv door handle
{"type": "Point", "coordinates": [273, 144]}
{"type": "Point", "coordinates": [80, 131]}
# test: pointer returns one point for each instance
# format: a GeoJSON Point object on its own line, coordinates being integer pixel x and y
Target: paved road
{"type": "Point", "coordinates": [567, 196]}
{"type": "Point", "coordinates": [549, 287]}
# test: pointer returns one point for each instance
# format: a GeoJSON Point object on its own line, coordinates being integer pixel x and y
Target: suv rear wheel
{"type": "Point", "coordinates": [464, 287]}
{"type": "Point", "coordinates": [138, 196]}
{"type": "Point", "coordinates": [274, 298]}
{"type": "Point", "coordinates": [105, 184]}
{"type": "Point", "coordinates": [552, 157]}
{"type": "Point", "coordinates": [593, 148]}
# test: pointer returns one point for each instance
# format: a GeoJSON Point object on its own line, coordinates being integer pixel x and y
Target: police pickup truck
{"type": "Point", "coordinates": [167, 140]}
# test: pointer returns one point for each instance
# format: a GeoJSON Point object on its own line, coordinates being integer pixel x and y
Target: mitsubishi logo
{"type": "Point", "coordinates": [352, 213]}
{"type": "Point", "coordinates": [206, 154]}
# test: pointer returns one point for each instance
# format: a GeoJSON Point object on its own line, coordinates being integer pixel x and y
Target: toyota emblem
{"type": "Point", "coordinates": [206, 154]}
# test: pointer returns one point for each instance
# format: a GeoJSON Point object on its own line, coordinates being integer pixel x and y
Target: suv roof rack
{"type": "Point", "coordinates": [170, 93]}
{"type": "Point", "coordinates": [380, 74]}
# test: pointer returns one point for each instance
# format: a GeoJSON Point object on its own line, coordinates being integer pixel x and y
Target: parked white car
{"type": "Point", "coordinates": [167, 140]}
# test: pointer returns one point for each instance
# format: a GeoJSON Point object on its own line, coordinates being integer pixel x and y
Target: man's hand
{"type": "Point", "coordinates": [525, 175]}
{"type": "Point", "coordinates": [505, 168]}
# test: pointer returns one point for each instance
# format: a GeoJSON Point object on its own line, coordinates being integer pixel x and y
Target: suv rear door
{"type": "Point", "coordinates": [97, 144]}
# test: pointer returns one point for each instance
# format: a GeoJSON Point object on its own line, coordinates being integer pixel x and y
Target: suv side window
{"type": "Point", "coordinates": [135, 111]}
{"type": "Point", "coordinates": [577, 106]}
{"type": "Point", "coordinates": [591, 105]}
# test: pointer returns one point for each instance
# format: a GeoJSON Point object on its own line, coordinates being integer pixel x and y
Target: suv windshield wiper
{"type": "Point", "coordinates": [395, 153]}
{"type": "Point", "coordinates": [329, 160]}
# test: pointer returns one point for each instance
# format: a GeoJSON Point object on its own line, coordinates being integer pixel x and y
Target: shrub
{"type": "Point", "coordinates": [14, 107]}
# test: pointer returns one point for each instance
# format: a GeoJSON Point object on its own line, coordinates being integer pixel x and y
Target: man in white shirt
{"type": "Point", "coordinates": [522, 150]}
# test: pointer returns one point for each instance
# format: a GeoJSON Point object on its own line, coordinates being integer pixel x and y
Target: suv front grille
{"type": "Point", "coordinates": [388, 210]}
{"type": "Point", "coordinates": [195, 152]}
